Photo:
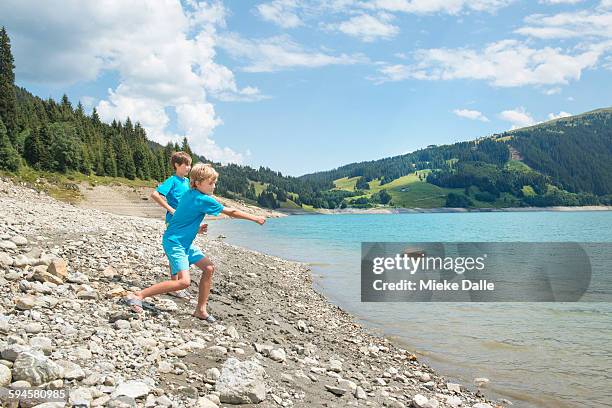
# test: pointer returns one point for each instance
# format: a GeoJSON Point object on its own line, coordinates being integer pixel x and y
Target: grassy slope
{"type": "Point", "coordinates": [64, 187]}
{"type": "Point", "coordinates": [410, 192]}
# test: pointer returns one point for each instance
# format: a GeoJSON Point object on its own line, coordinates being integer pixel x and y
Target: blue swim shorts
{"type": "Point", "coordinates": [179, 257]}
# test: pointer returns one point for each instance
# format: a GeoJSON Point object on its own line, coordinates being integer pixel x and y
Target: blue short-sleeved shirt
{"type": "Point", "coordinates": [188, 216]}
{"type": "Point", "coordinates": [173, 189]}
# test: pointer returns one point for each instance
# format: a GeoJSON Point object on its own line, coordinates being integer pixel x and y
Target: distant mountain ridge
{"type": "Point", "coordinates": [565, 161]}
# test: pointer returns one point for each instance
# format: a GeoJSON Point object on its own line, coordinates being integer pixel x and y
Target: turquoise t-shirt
{"type": "Point", "coordinates": [188, 216]}
{"type": "Point", "coordinates": [173, 189]}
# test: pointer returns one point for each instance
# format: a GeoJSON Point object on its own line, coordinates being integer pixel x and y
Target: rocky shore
{"type": "Point", "coordinates": [63, 270]}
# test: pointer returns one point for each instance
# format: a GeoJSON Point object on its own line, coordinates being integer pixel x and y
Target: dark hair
{"type": "Point", "coordinates": [179, 158]}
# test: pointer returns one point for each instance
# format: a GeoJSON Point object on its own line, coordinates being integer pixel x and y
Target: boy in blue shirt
{"type": "Point", "coordinates": [168, 195]}
{"type": "Point", "coordinates": [178, 241]}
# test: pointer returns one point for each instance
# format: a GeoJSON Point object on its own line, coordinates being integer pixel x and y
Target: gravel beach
{"type": "Point", "coordinates": [64, 269]}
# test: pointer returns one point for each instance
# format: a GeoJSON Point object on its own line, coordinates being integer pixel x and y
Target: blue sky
{"type": "Point", "coordinates": [301, 86]}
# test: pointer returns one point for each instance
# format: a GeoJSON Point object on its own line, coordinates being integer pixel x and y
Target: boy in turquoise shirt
{"type": "Point", "coordinates": [178, 241]}
{"type": "Point", "coordinates": [168, 195]}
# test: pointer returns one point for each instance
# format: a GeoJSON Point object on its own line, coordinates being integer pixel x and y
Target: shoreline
{"type": "Point", "coordinates": [313, 352]}
{"type": "Point", "coordinates": [442, 210]}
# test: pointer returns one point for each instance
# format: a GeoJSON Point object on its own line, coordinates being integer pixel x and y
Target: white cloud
{"type": "Point", "coordinates": [437, 6]}
{"type": "Point", "coordinates": [362, 18]}
{"type": "Point", "coordinates": [471, 114]}
{"type": "Point", "coordinates": [584, 23]}
{"type": "Point", "coordinates": [552, 91]}
{"type": "Point", "coordinates": [554, 2]}
{"type": "Point", "coordinates": [519, 117]}
{"type": "Point", "coordinates": [366, 27]}
{"type": "Point", "coordinates": [280, 53]}
{"type": "Point", "coordinates": [391, 73]}
{"type": "Point", "coordinates": [162, 52]}
{"type": "Point", "coordinates": [507, 63]}
{"type": "Point", "coordinates": [561, 114]}
{"type": "Point", "coordinates": [281, 12]}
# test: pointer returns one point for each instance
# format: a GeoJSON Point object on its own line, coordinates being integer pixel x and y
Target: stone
{"type": "Point", "coordinates": [453, 401]}
{"type": "Point", "coordinates": [164, 367]}
{"type": "Point", "coordinates": [393, 403]}
{"type": "Point", "coordinates": [337, 391]}
{"type": "Point", "coordinates": [122, 402]}
{"type": "Point", "coordinates": [80, 396]}
{"type": "Point", "coordinates": [41, 275]}
{"type": "Point", "coordinates": [33, 328]}
{"type": "Point", "coordinates": [78, 278]}
{"type": "Point", "coordinates": [87, 294]}
{"type": "Point", "coordinates": [8, 245]}
{"type": "Point", "coordinates": [232, 332]}
{"type": "Point", "coordinates": [241, 382]}
{"type": "Point", "coordinates": [25, 302]}
{"type": "Point", "coordinates": [43, 344]}
{"type": "Point", "coordinates": [204, 402]}
{"type": "Point", "coordinates": [35, 368]}
{"type": "Point", "coordinates": [347, 384]}
{"type": "Point", "coordinates": [5, 260]}
{"type": "Point", "coordinates": [12, 351]}
{"type": "Point", "coordinates": [481, 405]}
{"type": "Point", "coordinates": [122, 325]}
{"type": "Point", "coordinates": [132, 389]}
{"type": "Point", "coordinates": [481, 381]}
{"type": "Point", "coordinates": [19, 240]}
{"type": "Point", "coordinates": [335, 366]}
{"type": "Point", "coordinates": [217, 350]}
{"type": "Point", "coordinates": [59, 268]}
{"type": "Point", "coordinates": [5, 376]}
{"type": "Point", "coordinates": [263, 349]}
{"type": "Point", "coordinates": [21, 260]}
{"type": "Point", "coordinates": [213, 374]}
{"type": "Point", "coordinates": [452, 387]}
{"type": "Point", "coordinates": [360, 393]}
{"type": "Point", "coordinates": [278, 355]}
{"type": "Point", "coordinates": [420, 401]}
{"type": "Point", "coordinates": [72, 371]}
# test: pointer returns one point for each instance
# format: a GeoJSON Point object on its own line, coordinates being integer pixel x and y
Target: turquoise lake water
{"type": "Point", "coordinates": [535, 354]}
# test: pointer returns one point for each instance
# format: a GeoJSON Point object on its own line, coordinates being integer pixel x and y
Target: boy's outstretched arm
{"type": "Point", "coordinates": [235, 213]}
{"type": "Point", "coordinates": [161, 201]}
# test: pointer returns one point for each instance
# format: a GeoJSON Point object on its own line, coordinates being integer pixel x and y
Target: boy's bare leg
{"type": "Point", "coordinates": [208, 269]}
{"type": "Point", "coordinates": [182, 281]}
{"type": "Point", "coordinates": [181, 294]}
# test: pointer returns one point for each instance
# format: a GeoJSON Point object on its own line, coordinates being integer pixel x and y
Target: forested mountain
{"type": "Point", "coordinates": [567, 161]}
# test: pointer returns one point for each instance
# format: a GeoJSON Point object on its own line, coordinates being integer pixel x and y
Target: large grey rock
{"type": "Point", "coordinates": [241, 382]}
{"type": "Point", "coordinates": [5, 376]}
{"type": "Point", "coordinates": [35, 368]}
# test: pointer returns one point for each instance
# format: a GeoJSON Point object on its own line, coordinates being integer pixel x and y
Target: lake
{"type": "Point", "coordinates": [535, 354]}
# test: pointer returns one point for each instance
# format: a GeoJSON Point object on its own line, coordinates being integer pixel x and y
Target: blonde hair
{"type": "Point", "coordinates": [201, 172]}
{"type": "Point", "coordinates": [179, 158]}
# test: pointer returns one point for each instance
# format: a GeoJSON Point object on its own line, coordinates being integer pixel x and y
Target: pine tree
{"type": "Point", "coordinates": [8, 98]}
{"type": "Point", "coordinates": [9, 159]}
{"type": "Point", "coordinates": [34, 150]}
{"type": "Point", "coordinates": [110, 162]}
